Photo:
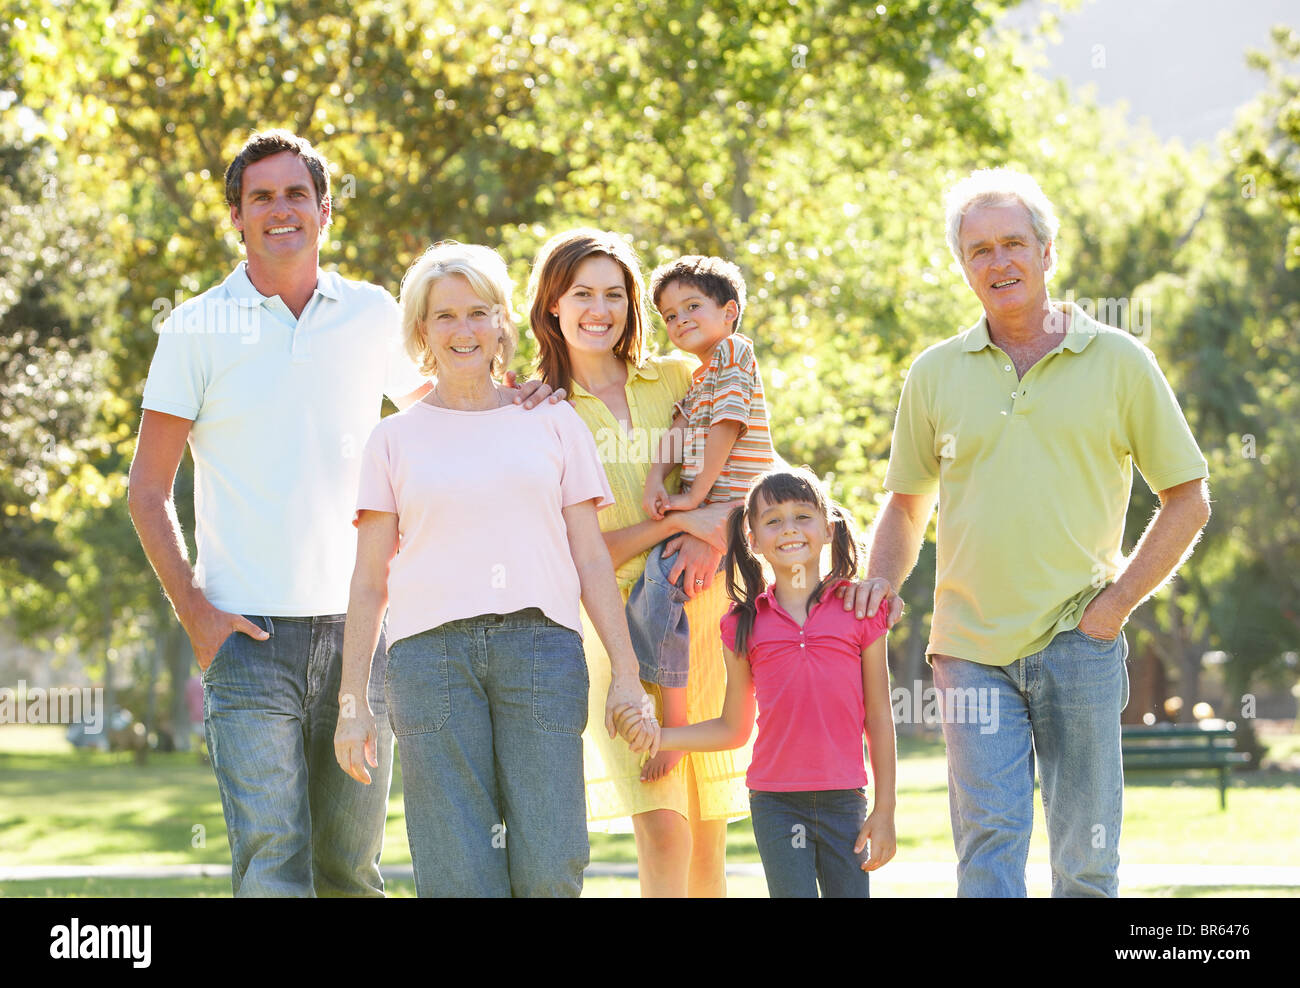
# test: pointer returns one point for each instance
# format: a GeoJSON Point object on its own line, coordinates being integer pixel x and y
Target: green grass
{"type": "Point", "coordinates": [65, 807]}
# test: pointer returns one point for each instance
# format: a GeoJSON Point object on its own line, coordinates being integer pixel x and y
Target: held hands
{"type": "Point", "coordinates": [356, 737]}
{"type": "Point", "coordinates": [656, 498]}
{"type": "Point", "coordinates": [635, 723]}
{"type": "Point", "coordinates": [681, 502]}
{"type": "Point", "coordinates": [878, 831]}
{"type": "Point", "coordinates": [658, 502]}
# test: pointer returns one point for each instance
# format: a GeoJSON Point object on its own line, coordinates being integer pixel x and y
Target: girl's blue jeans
{"type": "Point", "coordinates": [805, 840]}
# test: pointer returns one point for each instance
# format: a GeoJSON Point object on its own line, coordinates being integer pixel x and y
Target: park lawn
{"type": "Point", "coordinates": [64, 807]}
{"type": "Point", "coordinates": [603, 887]}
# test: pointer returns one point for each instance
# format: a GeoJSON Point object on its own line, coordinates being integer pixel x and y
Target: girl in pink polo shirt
{"type": "Point", "coordinates": [820, 679]}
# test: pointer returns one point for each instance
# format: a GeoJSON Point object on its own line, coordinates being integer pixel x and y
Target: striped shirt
{"type": "Point", "coordinates": [727, 388]}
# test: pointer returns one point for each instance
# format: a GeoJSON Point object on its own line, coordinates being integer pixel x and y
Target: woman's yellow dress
{"type": "Point", "coordinates": [614, 788]}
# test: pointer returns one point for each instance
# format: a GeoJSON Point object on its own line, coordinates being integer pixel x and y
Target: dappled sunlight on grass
{"type": "Point", "coordinates": [64, 807]}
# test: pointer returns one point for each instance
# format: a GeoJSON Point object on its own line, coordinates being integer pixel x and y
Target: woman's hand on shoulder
{"type": "Point", "coordinates": [866, 597]}
{"type": "Point", "coordinates": [530, 394]}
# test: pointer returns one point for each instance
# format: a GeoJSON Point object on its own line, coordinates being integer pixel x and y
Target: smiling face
{"type": "Point", "coordinates": [462, 331]}
{"type": "Point", "coordinates": [1003, 260]}
{"type": "Point", "coordinates": [278, 213]}
{"type": "Point", "coordinates": [788, 534]}
{"type": "Point", "coordinates": [695, 322]}
{"type": "Point", "coordinates": [592, 311]}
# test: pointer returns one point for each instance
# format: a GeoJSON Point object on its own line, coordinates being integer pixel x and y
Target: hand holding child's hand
{"type": "Point", "coordinates": [879, 832]}
{"type": "Point", "coordinates": [626, 717]}
{"type": "Point", "coordinates": [680, 502]}
{"type": "Point", "coordinates": [656, 499]}
{"type": "Point", "coordinates": [637, 726]}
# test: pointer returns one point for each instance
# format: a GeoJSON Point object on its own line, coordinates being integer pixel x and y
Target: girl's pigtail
{"type": "Point", "coordinates": [741, 560]}
{"type": "Point", "coordinates": [844, 549]}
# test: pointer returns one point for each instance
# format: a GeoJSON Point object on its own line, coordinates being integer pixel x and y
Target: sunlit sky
{"type": "Point", "coordinates": [1178, 63]}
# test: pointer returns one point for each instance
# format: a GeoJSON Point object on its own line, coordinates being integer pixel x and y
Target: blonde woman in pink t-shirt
{"type": "Point", "coordinates": [477, 531]}
{"type": "Point", "coordinates": [819, 678]}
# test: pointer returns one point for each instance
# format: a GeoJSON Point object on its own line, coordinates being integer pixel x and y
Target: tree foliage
{"type": "Point", "coordinates": [810, 142]}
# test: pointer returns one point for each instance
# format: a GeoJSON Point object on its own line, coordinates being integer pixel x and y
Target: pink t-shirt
{"type": "Point", "coordinates": [808, 687]}
{"type": "Point", "coordinates": [478, 497]}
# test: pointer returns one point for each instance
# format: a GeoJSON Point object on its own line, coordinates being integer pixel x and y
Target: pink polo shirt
{"type": "Point", "coordinates": [478, 498]}
{"type": "Point", "coordinates": [808, 687]}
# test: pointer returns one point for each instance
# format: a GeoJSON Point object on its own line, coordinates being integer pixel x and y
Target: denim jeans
{"type": "Point", "coordinates": [1062, 706]}
{"type": "Point", "coordinates": [489, 713]}
{"type": "Point", "coordinates": [805, 839]}
{"type": "Point", "coordinates": [298, 824]}
{"type": "Point", "coordinates": [656, 621]}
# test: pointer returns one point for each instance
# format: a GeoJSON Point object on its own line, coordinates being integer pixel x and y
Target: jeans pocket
{"type": "Point", "coordinates": [560, 682]}
{"type": "Point", "coordinates": [238, 644]}
{"type": "Point", "coordinates": [1108, 642]}
{"type": "Point", "coordinates": [417, 689]}
{"type": "Point", "coordinates": [221, 649]}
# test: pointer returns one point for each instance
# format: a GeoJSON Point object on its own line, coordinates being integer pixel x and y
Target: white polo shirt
{"type": "Point", "coordinates": [282, 408]}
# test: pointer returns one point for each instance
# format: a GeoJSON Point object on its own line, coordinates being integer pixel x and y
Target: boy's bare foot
{"type": "Point", "coordinates": [658, 767]}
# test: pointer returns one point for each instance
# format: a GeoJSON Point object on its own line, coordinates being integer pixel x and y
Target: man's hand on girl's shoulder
{"type": "Point", "coordinates": [866, 596]}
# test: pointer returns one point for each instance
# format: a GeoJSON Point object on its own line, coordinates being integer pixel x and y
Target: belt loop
{"type": "Point", "coordinates": [270, 627]}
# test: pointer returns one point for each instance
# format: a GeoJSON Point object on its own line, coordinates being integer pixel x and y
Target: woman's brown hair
{"type": "Point", "coordinates": [553, 273]}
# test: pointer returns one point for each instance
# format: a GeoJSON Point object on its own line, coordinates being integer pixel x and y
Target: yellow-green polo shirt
{"type": "Point", "coordinates": [1034, 477]}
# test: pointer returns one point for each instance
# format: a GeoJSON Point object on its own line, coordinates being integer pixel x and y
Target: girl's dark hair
{"type": "Point", "coordinates": [781, 487]}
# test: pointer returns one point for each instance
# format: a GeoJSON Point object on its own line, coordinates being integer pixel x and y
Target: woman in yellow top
{"type": "Point", "coordinates": [588, 315]}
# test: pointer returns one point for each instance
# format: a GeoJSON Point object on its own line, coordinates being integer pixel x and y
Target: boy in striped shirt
{"type": "Point", "coordinates": [720, 437]}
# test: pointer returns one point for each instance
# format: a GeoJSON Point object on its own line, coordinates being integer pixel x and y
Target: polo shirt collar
{"type": "Point", "coordinates": [768, 597]}
{"type": "Point", "coordinates": [1082, 330]}
{"type": "Point", "coordinates": [240, 287]}
{"type": "Point", "coordinates": [648, 371]}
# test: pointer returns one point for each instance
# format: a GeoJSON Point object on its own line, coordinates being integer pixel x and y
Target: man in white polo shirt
{"type": "Point", "coordinates": [275, 378]}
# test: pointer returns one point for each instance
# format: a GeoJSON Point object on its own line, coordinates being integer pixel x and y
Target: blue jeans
{"type": "Point", "coordinates": [805, 839]}
{"type": "Point", "coordinates": [656, 620]}
{"type": "Point", "coordinates": [489, 713]}
{"type": "Point", "coordinates": [298, 824]}
{"type": "Point", "coordinates": [1061, 705]}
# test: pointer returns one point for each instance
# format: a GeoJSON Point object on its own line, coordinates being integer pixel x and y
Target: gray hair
{"type": "Point", "coordinates": [996, 187]}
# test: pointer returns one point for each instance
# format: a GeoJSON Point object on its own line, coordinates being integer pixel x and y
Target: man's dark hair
{"type": "Point", "coordinates": [266, 143]}
{"type": "Point", "coordinates": [717, 278]}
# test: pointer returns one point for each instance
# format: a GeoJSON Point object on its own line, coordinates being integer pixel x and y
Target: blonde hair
{"type": "Point", "coordinates": [489, 279]}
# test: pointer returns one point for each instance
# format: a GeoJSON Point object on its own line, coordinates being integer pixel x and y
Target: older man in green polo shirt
{"type": "Point", "coordinates": [1027, 426]}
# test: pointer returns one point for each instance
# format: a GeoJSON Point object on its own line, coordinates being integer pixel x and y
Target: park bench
{"type": "Point", "coordinates": [1174, 747]}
